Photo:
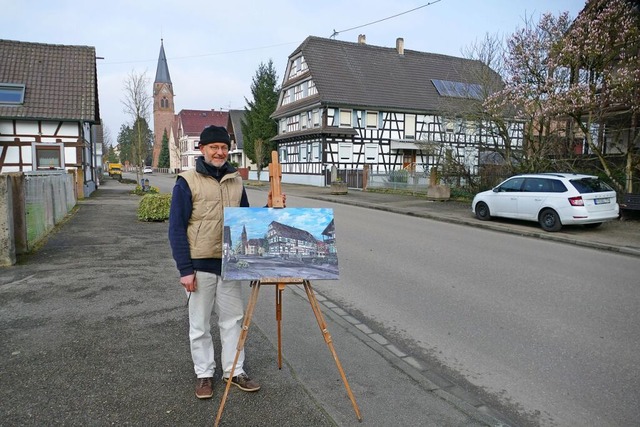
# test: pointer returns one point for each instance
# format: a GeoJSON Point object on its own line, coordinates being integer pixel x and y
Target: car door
{"type": "Point", "coordinates": [534, 193]}
{"type": "Point", "coordinates": [505, 198]}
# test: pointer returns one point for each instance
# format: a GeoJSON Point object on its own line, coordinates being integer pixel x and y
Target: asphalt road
{"type": "Point", "coordinates": [544, 330]}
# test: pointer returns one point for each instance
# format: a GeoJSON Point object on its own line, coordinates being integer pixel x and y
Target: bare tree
{"type": "Point", "coordinates": [137, 103]}
{"type": "Point", "coordinates": [258, 149]}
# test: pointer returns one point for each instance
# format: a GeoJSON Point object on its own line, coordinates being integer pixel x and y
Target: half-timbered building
{"type": "Point", "coordinates": [189, 126]}
{"type": "Point", "coordinates": [347, 105]}
{"type": "Point", "coordinates": [49, 110]}
{"type": "Point", "coordinates": [290, 241]}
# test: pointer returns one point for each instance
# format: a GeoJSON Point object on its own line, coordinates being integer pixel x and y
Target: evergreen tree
{"type": "Point", "coordinates": [142, 142]}
{"type": "Point", "coordinates": [163, 160]}
{"type": "Point", "coordinates": [257, 126]}
{"type": "Point", "coordinates": [125, 137]}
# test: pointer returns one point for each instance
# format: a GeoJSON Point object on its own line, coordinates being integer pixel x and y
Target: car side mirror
{"type": "Point", "coordinates": [496, 189]}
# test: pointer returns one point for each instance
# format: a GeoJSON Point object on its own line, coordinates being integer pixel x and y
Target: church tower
{"type": "Point", "coordinates": [245, 240]}
{"type": "Point", "coordinates": [163, 107]}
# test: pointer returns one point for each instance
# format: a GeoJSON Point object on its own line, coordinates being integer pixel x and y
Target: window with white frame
{"type": "Point", "coordinates": [283, 155]}
{"type": "Point", "coordinates": [297, 92]}
{"type": "Point", "coordinates": [304, 119]}
{"type": "Point", "coordinates": [48, 156]}
{"type": "Point", "coordinates": [315, 151]}
{"type": "Point", "coordinates": [315, 118]}
{"type": "Point", "coordinates": [345, 151]}
{"type": "Point", "coordinates": [311, 88]}
{"type": "Point", "coordinates": [286, 97]}
{"type": "Point", "coordinates": [283, 125]}
{"type": "Point", "coordinates": [372, 119]}
{"type": "Point", "coordinates": [11, 93]}
{"type": "Point", "coordinates": [293, 123]}
{"type": "Point", "coordinates": [371, 153]}
{"type": "Point", "coordinates": [298, 66]}
{"type": "Point", "coordinates": [302, 155]}
{"type": "Point", "coordinates": [410, 126]}
{"type": "Point", "coordinates": [345, 118]}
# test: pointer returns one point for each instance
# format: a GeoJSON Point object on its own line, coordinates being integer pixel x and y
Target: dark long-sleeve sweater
{"type": "Point", "coordinates": [179, 215]}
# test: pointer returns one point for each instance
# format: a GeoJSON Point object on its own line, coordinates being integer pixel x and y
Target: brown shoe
{"type": "Point", "coordinates": [204, 388]}
{"type": "Point", "coordinates": [243, 382]}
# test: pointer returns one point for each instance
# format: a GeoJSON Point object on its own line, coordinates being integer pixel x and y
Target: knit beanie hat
{"type": "Point", "coordinates": [213, 134]}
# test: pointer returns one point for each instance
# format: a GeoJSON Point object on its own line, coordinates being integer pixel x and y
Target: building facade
{"type": "Point", "coordinates": [49, 110]}
{"type": "Point", "coordinates": [350, 105]}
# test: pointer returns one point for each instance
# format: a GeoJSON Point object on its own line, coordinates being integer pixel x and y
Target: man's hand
{"type": "Point", "coordinates": [270, 200]}
{"type": "Point", "coordinates": [189, 282]}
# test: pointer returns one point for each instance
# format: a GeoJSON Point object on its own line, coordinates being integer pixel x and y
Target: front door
{"type": "Point", "coordinates": [409, 160]}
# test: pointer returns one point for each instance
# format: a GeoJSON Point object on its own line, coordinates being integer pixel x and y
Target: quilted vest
{"type": "Point", "coordinates": [209, 197]}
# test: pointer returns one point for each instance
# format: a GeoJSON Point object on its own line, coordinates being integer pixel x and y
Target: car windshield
{"type": "Point", "coordinates": [590, 185]}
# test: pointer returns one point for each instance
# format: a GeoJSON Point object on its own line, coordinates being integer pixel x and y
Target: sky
{"type": "Point", "coordinates": [214, 48]}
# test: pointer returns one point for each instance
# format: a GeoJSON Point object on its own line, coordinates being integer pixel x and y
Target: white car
{"type": "Point", "coordinates": [551, 199]}
{"type": "Point", "coordinates": [147, 169]}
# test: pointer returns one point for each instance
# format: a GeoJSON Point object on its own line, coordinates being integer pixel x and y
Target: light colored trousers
{"type": "Point", "coordinates": [226, 298]}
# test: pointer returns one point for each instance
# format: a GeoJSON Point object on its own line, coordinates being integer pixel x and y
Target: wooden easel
{"type": "Point", "coordinates": [277, 201]}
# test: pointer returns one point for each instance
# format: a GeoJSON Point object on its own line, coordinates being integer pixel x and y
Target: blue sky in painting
{"type": "Point", "coordinates": [257, 220]}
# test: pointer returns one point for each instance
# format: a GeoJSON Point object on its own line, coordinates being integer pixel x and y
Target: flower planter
{"type": "Point", "coordinates": [339, 188]}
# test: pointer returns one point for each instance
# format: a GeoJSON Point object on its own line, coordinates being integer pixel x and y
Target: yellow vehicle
{"type": "Point", "coordinates": [115, 170]}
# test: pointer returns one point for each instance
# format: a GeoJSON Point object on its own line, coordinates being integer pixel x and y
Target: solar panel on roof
{"type": "Point", "coordinates": [458, 89]}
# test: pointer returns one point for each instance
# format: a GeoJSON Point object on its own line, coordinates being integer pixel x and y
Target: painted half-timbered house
{"type": "Point", "coordinates": [49, 109]}
{"type": "Point", "coordinates": [290, 242]}
{"type": "Point", "coordinates": [345, 105]}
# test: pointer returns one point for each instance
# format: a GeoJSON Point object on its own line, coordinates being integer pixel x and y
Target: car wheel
{"type": "Point", "coordinates": [482, 211]}
{"type": "Point", "coordinates": [594, 225]}
{"type": "Point", "coordinates": [549, 220]}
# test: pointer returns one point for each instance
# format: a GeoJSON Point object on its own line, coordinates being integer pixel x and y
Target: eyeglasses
{"type": "Point", "coordinates": [222, 148]}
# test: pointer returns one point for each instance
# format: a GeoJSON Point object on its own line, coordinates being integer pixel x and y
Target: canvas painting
{"type": "Point", "coordinates": [265, 243]}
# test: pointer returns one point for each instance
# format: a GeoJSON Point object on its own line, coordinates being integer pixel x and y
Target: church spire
{"type": "Point", "coordinates": [162, 72]}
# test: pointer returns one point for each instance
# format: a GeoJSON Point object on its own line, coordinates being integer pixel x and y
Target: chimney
{"type": "Point", "coordinates": [400, 45]}
{"type": "Point", "coordinates": [362, 39]}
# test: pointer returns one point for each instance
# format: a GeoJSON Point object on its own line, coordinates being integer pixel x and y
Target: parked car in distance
{"type": "Point", "coordinates": [147, 169]}
{"type": "Point", "coordinates": [551, 199]}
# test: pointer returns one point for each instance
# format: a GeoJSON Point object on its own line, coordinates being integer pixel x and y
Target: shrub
{"type": "Point", "coordinates": [154, 207]}
{"type": "Point", "coordinates": [141, 192]}
{"type": "Point", "coordinates": [401, 175]}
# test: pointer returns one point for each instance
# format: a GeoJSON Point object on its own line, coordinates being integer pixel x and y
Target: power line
{"type": "Point", "coordinates": [335, 33]}
{"type": "Point", "coordinates": [203, 55]}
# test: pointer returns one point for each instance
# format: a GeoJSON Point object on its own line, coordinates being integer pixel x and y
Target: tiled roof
{"type": "Point", "coordinates": [361, 75]}
{"type": "Point", "coordinates": [194, 121]}
{"type": "Point", "coordinates": [291, 232]}
{"type": "Point", "coordinates": [60, 81]}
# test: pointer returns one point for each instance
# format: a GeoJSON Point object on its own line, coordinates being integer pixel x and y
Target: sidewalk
{"type": "Point", "coordinates": [94, 332]}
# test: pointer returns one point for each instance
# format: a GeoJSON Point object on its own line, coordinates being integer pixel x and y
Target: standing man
{"type": "Point", "coordinates": [195, 236]}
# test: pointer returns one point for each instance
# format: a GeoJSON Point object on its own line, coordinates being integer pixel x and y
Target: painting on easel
{"type": "Point", "coordinates": [279, 243]}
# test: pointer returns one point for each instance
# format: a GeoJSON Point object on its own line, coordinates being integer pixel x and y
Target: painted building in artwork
{"type": "Point", "coordinates": [290, 241]}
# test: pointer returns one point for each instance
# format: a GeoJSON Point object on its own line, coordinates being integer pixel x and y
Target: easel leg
{"type": "Point", "coordinates": [243, 336]}
{"type": "Point", "coordinates": [327, 338]}
{"type": "Point", "coordinates": [279, 289]}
